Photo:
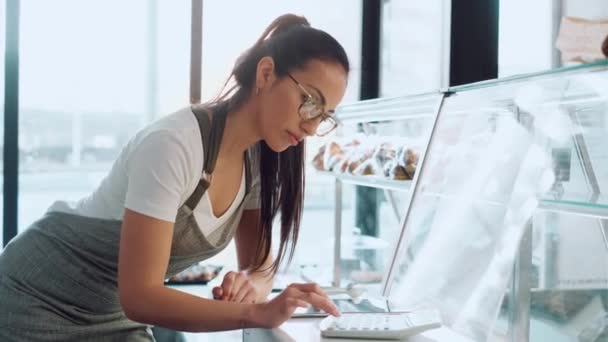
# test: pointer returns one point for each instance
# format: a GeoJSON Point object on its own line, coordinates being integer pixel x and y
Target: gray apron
{"type": "Point", "coordinates": [58, 279]}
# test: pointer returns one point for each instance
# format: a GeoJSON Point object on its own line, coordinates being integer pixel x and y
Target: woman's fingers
{"type": "Point", "coordinates": [294, 302]}
{"type": "Point", "coordinates": [233, 281]}
{"type": "Point", "coordinates": [217, 292]}
{"type": "Point", "coordinates": [227, 285]}
{"type": "Point", "coordinates": [310, 287]}
{"type": "Point", "coordinates": [236, 286]}
{"type": "Point", "coordinates": [245, 290]}
{"type": "Point", "coordinates": [320, 301]}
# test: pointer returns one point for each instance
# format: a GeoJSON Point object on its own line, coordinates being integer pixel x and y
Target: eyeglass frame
{"type": "Point", "coordinates": [324, 115]}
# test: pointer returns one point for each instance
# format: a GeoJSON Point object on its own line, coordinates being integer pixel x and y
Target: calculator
{"type": "Point", "coordinates": [380, 325]}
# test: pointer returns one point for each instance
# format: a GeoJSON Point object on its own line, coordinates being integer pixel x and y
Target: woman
{"type": "Point", "coordinates": [95, 270]}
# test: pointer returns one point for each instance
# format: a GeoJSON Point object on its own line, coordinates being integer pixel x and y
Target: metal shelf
{"type": "Point", "coordinates": [379, 182]}
{"type": "Point", "coordinates": [597, 210]}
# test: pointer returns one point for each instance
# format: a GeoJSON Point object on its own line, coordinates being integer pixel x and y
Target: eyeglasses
{"type": "Point", "coordinates": [311, 109]}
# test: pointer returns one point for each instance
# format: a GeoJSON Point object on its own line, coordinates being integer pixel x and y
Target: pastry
{"type": "Point", "coordinates": [196, 274]}
{"type": "Point", "coordinates": [318, 160]}
{"type": "Point", "coordinates": [398, 172]}
{"type": "Point", "coordinates": [411, 156]}
{"type": "Point", "coordinates": [387, 167]}
{"type": "Point", "coordinates": [366, 168]}
{"type": "Point", "coordinates": [332, 155]}
{"type": "Point", "coordinates": [384, 153]}
{"type": "Point", "coordinates": [340, 164]}
{"type": "Point", "coordinates": [410, 169]}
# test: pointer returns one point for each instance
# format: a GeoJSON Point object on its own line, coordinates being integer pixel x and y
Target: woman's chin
{"type": "Point", "coordinates": [278, 147]}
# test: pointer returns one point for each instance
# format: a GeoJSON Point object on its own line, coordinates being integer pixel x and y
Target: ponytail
{"type": "Point", "coordinates": [279, 25]}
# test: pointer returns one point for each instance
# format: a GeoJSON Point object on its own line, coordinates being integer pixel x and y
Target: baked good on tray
{"type": "Point", "coordinates": [196, 274]}
{"type": "Point", "coordinates": [385, 157]}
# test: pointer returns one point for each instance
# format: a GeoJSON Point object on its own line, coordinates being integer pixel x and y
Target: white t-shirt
{"type": "Point", "coordinates": [155, 174]}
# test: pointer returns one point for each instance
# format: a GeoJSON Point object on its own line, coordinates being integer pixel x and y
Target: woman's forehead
{"type": "Point", "coordinates": [326, 77]}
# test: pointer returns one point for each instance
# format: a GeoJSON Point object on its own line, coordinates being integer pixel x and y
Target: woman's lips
{"type": "Point", "coordinates": [293, 139]}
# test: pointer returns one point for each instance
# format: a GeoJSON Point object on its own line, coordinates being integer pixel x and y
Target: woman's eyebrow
{"type": "Point", "coordinates": [318, 93]}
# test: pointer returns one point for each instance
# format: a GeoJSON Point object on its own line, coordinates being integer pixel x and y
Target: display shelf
{"type": "Point", "coordinates": [578, 207]}
{"type": "Point", "coordinates": [370, 181]}
{"type": "Point", "coordinates": [390, 109]}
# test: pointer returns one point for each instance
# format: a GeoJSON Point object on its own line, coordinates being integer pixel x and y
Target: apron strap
{"type": "Point", "coordinates": [211, 133]}
{"type": "Point", "coordinates": [247, 173]}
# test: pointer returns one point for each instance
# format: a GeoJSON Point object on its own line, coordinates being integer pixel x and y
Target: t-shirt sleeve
{"type": "Point", "coordinates": [157, 175]}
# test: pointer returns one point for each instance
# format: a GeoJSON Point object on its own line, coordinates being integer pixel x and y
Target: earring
{"type": "Point", "coordinates": [257, 91]}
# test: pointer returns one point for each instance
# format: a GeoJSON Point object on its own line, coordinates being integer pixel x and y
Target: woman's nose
{"type": "Point", "coordinates": [310, 126]}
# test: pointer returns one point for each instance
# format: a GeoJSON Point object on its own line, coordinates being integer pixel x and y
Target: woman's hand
{"type": "Point", "coordinates": [276, 311]}
{"type": "Point", "coordinates": [236, 287]}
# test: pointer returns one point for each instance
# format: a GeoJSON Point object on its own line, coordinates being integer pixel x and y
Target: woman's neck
{"type": "Point", "coordinates": [240, 133]}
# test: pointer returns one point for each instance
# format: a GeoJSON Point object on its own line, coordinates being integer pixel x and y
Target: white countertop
{"type": "Point", "coordinates": [307, 329]}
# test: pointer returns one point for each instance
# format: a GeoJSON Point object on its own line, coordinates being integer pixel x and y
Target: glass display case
{"type": "Point", "coordinates": [503, 225]}
{"type": "Point", "coordinates": [378, 146]}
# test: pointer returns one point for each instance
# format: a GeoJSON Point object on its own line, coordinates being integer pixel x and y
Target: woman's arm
{"type": "Point", "coordinates": [247, 236]}
{"type": "Point", "coordinates": [145, 246]}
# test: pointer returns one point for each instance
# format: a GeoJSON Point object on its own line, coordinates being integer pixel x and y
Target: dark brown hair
{"type": "Point", "coordinates": [292, 43]}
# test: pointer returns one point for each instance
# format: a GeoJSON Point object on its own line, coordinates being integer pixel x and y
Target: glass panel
{"type": "Point", "coordinates": [378, 145]}
{"type": "Point", "coordinates": [2, 52]}
{"type": "Point", "coordinates": [86, 91]}
{"type": "Point", "coordinates": [218, 60]}
{"type": "Point", "coordinates": [413, 45]}
{"type": "Point", "coordinates": [570, 296]}
{"type": "Point", "coordinates": [504, 154]}
{"type": "Point", "coordinates": [543, 75]}
{"type": "Point", "coordinates": [567, 110]}
{"type": "Point", "coordinates": [576, 126]}
{"type": "Point", "coordinates": [475, 194]}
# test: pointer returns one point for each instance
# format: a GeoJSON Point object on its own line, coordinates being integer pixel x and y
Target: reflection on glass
{"type": "Point", "coordinates": [474, 200]}
{"type": "Point", "coordinates": [571, 292]}
{"type": "Point", "coordinates": [505, 157]}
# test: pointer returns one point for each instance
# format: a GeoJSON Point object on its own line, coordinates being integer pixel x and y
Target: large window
{"type": "Point", "coordinates": [415, 38]}
{"type": "Point", "coordinates": [524, 50]}
{"type": "Point", "coordinates": [520, 49]}
{"type": "Point", "coordinates": [586, 8]}
{"type": "Point", "coordinates": [92, 74]}
{"type": "Point", "coordinates": [223, 42]}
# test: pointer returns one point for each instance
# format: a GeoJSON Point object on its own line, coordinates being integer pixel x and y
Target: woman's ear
{"type": "Point", "coordinates": [264, 77]}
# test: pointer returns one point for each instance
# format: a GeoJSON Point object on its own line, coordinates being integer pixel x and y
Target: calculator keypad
{"type": "Point", "coordinates": [371, 322]}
